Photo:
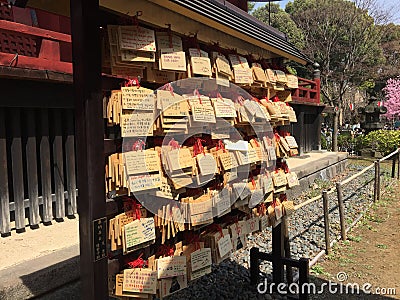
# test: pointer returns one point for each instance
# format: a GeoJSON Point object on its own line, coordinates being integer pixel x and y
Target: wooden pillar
{"type": "Point", "coordinates": [45, 167]}
{"type": "Point", "coordinates": [4, 194]}
{"type": "Point", "coordinates": [254, 265]}
{"type": "Point", "coordinates": [89, 143]}
{"type": "Point", "coordinates": [377, 183]}
{"type": "Point", "coordinates": [286, 243]}
{"type": "Point", "coordinates": [32, 170]}
{"type": "Point", "coordinates": [317, 79]}
{"type": "Point", "coordinates": [398, 164]}
{"type": "Point", "coordinates": [394, 165]}
{"type": "Point", "coordinates": [301, 138]}
{"type": "Point", "coordinates": [277, 253]}
{"type": "Point", "coordinates": [70, 163]}
{"type": "Point", "coordinates": [17, 170]}
{"type": "Point", "coordinates": [304, 271]}
{"type": "Point", "coordinates": [326, 222]}
{"type": "Point", "coordinates": [341, 210]}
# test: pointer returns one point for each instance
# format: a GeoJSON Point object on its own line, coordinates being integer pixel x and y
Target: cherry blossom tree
{"type": "Point", "coordinates": [392, 95]}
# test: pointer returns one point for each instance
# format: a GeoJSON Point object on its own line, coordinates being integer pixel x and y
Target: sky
{"type": "Point", "coordinates": [394, 4]}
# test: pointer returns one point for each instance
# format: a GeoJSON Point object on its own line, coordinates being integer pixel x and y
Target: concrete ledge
{"type": "Point", "coordinates": [315, 165]}
{"type": "Point", "coordinates": [41, 275]}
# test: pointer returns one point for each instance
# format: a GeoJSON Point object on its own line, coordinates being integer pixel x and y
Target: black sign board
{"type": "Point", "coordinates": [100, 238]}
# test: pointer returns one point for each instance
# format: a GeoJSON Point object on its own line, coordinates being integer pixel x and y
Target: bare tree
{"type": "Point", "coordinates": [343, 37]}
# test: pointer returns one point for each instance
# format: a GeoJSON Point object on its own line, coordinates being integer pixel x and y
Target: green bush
{"type": "Point", "coordinates": [324, 142]}
{"type": "Point", "coordinates": [385, 141]}
{"type": "Point", "coordinates": [360, 143]}
{"type": "Point", "coordinates": [344, 140]}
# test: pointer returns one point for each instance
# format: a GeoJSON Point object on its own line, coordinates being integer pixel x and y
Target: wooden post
{"type": "Point", "coordinates": [17, 170]}
{"type": "Point", "coordinates": [376, 181]}
{"type": "Point", "coordinates": [4, 194]}
{"type": "Point", "coordinates": [394, 165]}
{"type": "Point", "coordinates": [31, 166]}
{"type": "Point", "coordinates": [378, 185]}
{"type": "Point", "coordinates": [341, 210]}
{"type": "Point", "coordinates": [301, 137]}
{"type": "Point", "coordinates": [326, 222]}
{"type": "Point", "coordinates": [304, 270]}
{"type": "Point", "coordinates": [45, 167]}
{"type": "Point", "coordinates": [254, 265]}
{"type": "Point", "coordinates": [286, 243]}
{"type": "Point", "coordinates": [89, 144]}
{"type": "Point", "coordinates": [277, 253]}
{"type": "Point", "coordinates": [398, 164]}
{"type": "Point", "coordinates": [58, 166]}
{"type": "Point", "coordinates": [70, 163]}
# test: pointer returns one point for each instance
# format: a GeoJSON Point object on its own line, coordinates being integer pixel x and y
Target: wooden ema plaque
{"type": "Point", "coordinates": [142, 161]}
{"type": "Point", "coordinates": [138, 98]}
{"type": "Point", "coordinates": [135, 124]}
{"type": "Point", "coordinates": [140, 280]}
{"type": "Point", "coordinates": [136, 38]}
{"type": "Point", "coordinates": [171, 59]}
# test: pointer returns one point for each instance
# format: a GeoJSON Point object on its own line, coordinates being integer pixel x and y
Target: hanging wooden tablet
{"type": "Point", "coordinates": [172, 104]}
{"type": "Point", "coordinates": [270, 74]}
{"type": "Point", "coordinates": [135, 124]}
{"type": "Point", "coordinates": [243, 75]}
{"type": "Point", "coordinates": [292, 179]}
{"type": "Point", "coordinates": [168, 286]}
{"type": "Point", "coordinates": [138, 183]}
{"type": "Point", "coordinates": [136, 38]}
{"type": "Point", "coordinates": [222, 65]}
{"type": "Point", "coordinates": [280, 77]}
{"type": "Point", "coordinates": [138, 98]}
{"type": "Point", "coordinates": [292, 115]}
{"type": "Point", "coordinates": [137, 56]}
{"type": "Point", "coordinates": [201, 66]}
{"type": "Point", "coordinates": [292, 81]}
{"type": "Point", "coordinates": [166, 40]}
{"type": "Point", "coordinates": [203, 113]}
{"type": "Point", "coordinates": [259, 74]}
{"type": "Point", "coordinates": [291, 141]}
{"type": "Point", "coordinates": [140, 280]}
{"type": "Point", "coordinates": [138, 232]}
{"type": "Point", "coordinates": [224, 108]}
{"type": "Point", "coordinates": [170, 59]}
{"type": "Point", "coordinates": [179, 159]}
{"type": "Point", "coordinates": [200, 263]}
{"type": "Point", "coordinates": [171, 266]}
{"type": "Point", "coordinates": [142, 161]}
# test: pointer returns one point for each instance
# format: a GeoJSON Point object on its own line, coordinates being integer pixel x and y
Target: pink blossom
{"type": "Point", "coordinates": [392, 96]}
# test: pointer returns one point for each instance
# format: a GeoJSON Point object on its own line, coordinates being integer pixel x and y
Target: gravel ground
{"type": "Point", "coordinates": [230, 280]}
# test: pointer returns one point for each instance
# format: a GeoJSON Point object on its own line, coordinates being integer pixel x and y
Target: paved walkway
{"type": "Point", "coordinates": [32, 244]}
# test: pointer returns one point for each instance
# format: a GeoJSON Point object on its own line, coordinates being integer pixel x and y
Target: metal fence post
{"type": "Point", "coordinates": [326, 221]}
{"type": "Point", "coordinates": [341, 210]}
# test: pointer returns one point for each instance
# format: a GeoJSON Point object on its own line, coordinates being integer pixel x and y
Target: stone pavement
{"type": "Point", "coordinates": [45, 262]}
{"type": "Point", "coordinates": [40, 260]}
